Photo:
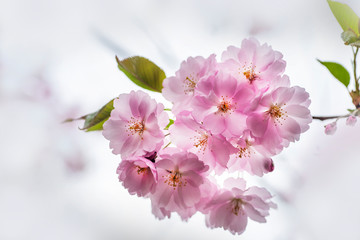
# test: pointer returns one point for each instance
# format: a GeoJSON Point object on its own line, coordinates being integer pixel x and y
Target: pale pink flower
{"type": "Point", "coordinates": [351, 120]}
{"type": "Point", "coordinates": [181, 88]}
{"type": "Point", "coordinates": [279, 117]}
{"type": "Point", "coordinates": [253, 63]}
{"type": "Point", "coordinates": [136, 125]}
{"type": "Point", "coordinates": [330, 128]}
{"type": "Point", "coordinates": [250, 156]}
{"type": "Point", "coordinates": [179, 188]}
{"type": "Point", "coordinates": [138, 175]}
{"type": "Point", "coordinates": [231, 207]}
{"type": "Point", "coordinates": [221, 104]}
{"type": "Point", "coordinates": [213, 150]}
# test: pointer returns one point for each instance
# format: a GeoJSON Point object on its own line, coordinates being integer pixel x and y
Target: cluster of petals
{"type": "Point", "coordinates": [229, 116]}
{"type": "Point", "coordinates": [240, 112]}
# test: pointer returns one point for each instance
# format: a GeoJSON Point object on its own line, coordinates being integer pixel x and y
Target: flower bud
{"type": "Point", "coordinates": [269, 165]}
{"type": "Point", "coordinates": [330, 128]}
{"type": "Point", "coordinates": [351, 120]}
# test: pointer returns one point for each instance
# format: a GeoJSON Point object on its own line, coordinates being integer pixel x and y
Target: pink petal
{"type": "Point", "coordinates": [257, 123]}
{"type": "Point", "coordinates": [254, 214]}
{"type": "Point", "coordinates": [238, 224]}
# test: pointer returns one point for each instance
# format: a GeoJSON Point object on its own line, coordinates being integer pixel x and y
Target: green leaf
{"type": "Point", "coordinates": [142, 72]}
{"type": "Point", "coordinates": [345, 16]}
{"type": "Point", "coordinates": [338, 71]}
{"type": "Point", "coordinates": [171, 122]}
{"type": "Point", "coordinates": [94, 121]}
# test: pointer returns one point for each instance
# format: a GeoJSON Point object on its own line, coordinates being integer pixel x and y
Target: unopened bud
{"type": "Point", "coordinates": [351, 120]}
{"type": "Point", "coordinates": [269, 165]}
{"type": "Point", "coordinates": [330, 128]}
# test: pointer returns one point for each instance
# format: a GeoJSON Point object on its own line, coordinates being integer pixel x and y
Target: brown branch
{"type": "Point", "coordinates": [322, 118]}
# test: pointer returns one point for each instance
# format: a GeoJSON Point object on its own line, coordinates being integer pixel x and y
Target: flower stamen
{"type": "Point", "coordinates": [236, 205]}
{"type": "Point", "coordinates": [201, 141]}
{"type": "Point", "coordinates": [277, 113]}
{"type": "Point", "coordinates": [190, 84]}
{"type": "Point", "coordinates": [136, 127]}
{"type": "Point", "coordinates": [249, 73]}
{"type": "Point", "coordinates": [224, 106]}
{"type": "Point", "coordinates": [140, 170]}
{"type": "Point", "coordinates": [244, 151]}
{"type": "Point", "coordinates": [174, 179]}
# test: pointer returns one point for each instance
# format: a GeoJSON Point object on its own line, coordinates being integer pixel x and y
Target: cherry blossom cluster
{"type": "Point", "coordinates": [229, 116]}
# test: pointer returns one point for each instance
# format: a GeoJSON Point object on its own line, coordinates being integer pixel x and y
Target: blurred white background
{"type": "Point", "coordinates": [57, 60]}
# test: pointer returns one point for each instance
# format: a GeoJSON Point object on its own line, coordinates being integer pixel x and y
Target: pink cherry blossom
{"type": "Point", "coordinates": [181, 88]}
{"type": "Point", "coordinates": [179, 188]}
{"type": "Point", "coordinates": [330, 128]}
{"type": "Point", "coordinates": [254, 63]}
{"type": "Point", "coordinates": [221, 109]}
{"type": "Point", "coordinates": [231, 115]}
{"type": "Point", "coordinates": [135, 125]}
{"type": "Point", "coordinates": [351, 120]}
{"type": "Point", "coordinates": [279, 118]}
{"type": "Point", "coordinates": [138, 175]}
{"type": "Point", "coordinates": [250, 156]}
{"type": "Point", "coordinates": [213, 150]}
{"type": "Point", "coordinates": [231, 207]}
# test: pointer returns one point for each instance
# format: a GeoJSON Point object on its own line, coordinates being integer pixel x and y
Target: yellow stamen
{"type": "Point", "coordinates": [135, 127]}
{"type": "Point", "coordinates": [174, 179]}
{"type": "Point", "coordinates": [237, 204]}
{"type": "Point", "coordinates": [277, 113]}
{"type": "Point", "coordinates": [190, 84]}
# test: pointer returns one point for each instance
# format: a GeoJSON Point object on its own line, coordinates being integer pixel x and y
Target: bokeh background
{"type": "Point", "coordinates": [57, 60]}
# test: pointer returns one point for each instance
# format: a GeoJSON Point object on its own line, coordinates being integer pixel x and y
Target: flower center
{"type": "Point", "coordinates": [277, 113]}
{"type": "Point", "coordinates": [136, 127]}
{"type": "Point", "coordinates": [249, 73]}
{"type": "Point", "coordinates": [201, 141]}
{"type": "Point", "coordinates": [174, 179]}
{"type": "Point", "coordinates": [224, 106]}
{"type": "Point", "coordinates": [190, 84]}
{"type": "Point", "coordinates": [236, 206]}
{"type": "Point", "coordinates": [140, 170]}
{"type": "Point", "coordinates": [244, 151]}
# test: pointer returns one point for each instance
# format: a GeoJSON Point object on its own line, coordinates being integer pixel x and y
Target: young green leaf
{"type": "Point", "coordinates": [345, 16]}
{"type": "Point", "coordinates": [338, 71]}
{"type": "Point", "coordinates": [142, 72]}
{"type": "Point", "coordinates": [94, 121]}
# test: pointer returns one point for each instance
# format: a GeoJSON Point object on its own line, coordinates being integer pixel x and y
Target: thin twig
{"type": "Point", "coordinates": [354, 65]}
{"type": "Point", "coordinates": [323, 118]}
